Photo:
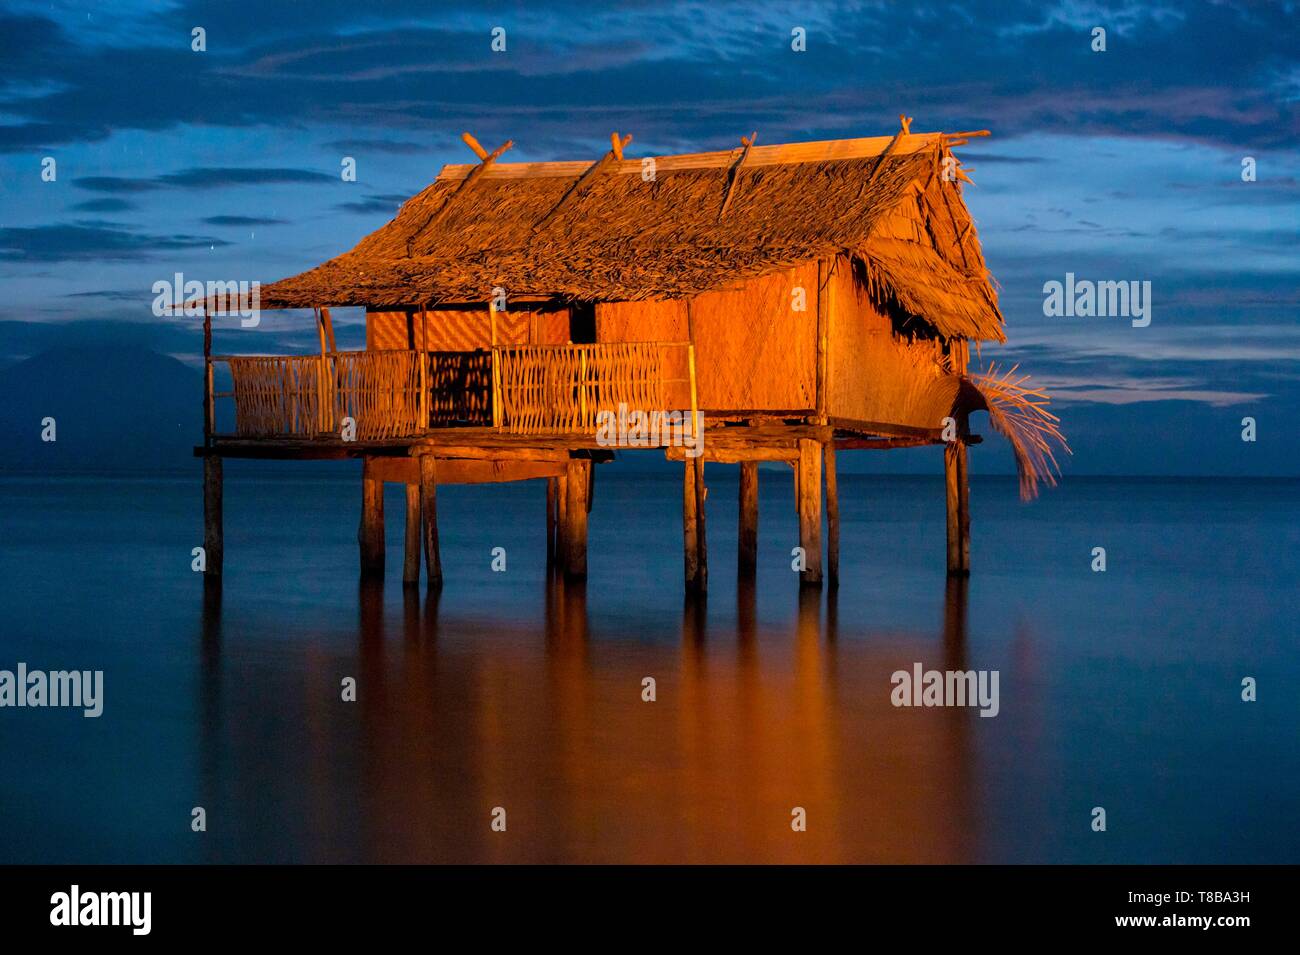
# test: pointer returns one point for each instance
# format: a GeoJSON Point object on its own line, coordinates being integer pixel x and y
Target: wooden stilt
{"type": "Point", "coordinates": [371, 533]}
{"type": "Point", "coordinates": [747, 550]}
{"type": "Point", "coordinates": [963, 524]}
{"type": "Point", "coordinates": [213, 533]}
{"type": "Point", "coordinates": [690, 527]}
{"type": "Point", "coordinates": [429, 521]}
{"type": "Point", "coordinates": [701, 537]}
{"type": "Point", "coordinates": [810, 510]}
{"type": "Point", "coordinates": [832, 518]}
{"type": "Point", "coordinates": [578, 484]}
{"type": "Point", "coordinates": [552, 513]}
{"type": "Point", "coordinates": [411, 565]}
{"type": "Point", "coordinates": [561, 521]}
{"type": "Point", "coordinates": [957, 483]}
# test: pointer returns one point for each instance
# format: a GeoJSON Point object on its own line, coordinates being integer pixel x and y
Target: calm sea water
{"type": "Point", "coordinates": [1119, 689]}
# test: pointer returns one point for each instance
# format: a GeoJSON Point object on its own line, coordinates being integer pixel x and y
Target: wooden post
{"type": "Point", "coordinates": [411, 565]}
{"type": "Point", "coordinates": [823, 342]}
{"type": "Point", "coordinates": [561, 521]}
{"type": "Point", "coordinates": [209, 416]}
{"type": "Point", "coordinates": [832, 518]}
{"type": "Point", "coordinates": [328, 323]}
{"type": "Point", "coordinates": [422, 359]}
{"type": "Point", "coordinates": [696, 422]}
{"type": "Point", "coordinates": [690, 542]}
{"type": "Point", "coordinates": [747, 551]}
{"type": "Point", "coordinates": [496, 366]}
{"type": "Point", "coordinates": [213, 536]}
{"type": "Point", "coordinates": [693, 537]}
{"type": "Point", "coordinates": [809, 485]}
{"type": "Point", "coordinates": [429, 520]}
{"type": "Point", "coordinates": [957, 482]}
{"type": "Point", "coordinates": [325, 420]}
{"type": "Point", "coordinates": [371, 533]}
{"type": "Point", "coordinates": [963, 523]}
{"type": "Point", "coordinates": [694, 490]}
{"type": "Point", "coordinates": [702, 539]}
{"type": "Point", "coordinates": [552, 512]}
{"type": "Point", "coordinates": [577, 486]}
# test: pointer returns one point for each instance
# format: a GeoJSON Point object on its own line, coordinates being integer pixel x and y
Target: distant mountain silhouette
{"type": "Point", "coordinates": [115, 409]}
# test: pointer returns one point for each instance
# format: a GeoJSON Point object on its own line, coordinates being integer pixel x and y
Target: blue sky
{"type": "Point", "coordinates": [1115, 165]}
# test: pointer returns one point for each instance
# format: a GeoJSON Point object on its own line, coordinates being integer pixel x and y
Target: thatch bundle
{"type": "Point", "coordinates": [1019, 413]}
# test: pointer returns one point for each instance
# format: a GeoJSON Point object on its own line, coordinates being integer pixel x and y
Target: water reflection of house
{"type": "Point", "coordinates": [456, 717]}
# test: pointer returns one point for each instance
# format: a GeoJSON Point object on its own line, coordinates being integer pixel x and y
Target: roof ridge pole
{"type": "Point", "coordinates": [747, 142]}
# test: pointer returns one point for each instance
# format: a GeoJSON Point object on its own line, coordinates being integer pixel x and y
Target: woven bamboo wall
{"type": "Point", "coordinates": [752, 349]}
{"type": "Point", "coordinates": [753, 352]}
{"type": "Point", "coordinates": [448, 330]}
{"type": "Point", "coordinates": [875, 375]}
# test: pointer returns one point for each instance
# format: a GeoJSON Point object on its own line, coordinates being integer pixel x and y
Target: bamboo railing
{"type": "Point", "coordinates": [528, 389]}
{"type": "Point", "coordinates": [559, 389]}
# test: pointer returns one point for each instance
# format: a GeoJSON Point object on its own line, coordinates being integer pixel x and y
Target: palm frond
{"type": "Point", "coordinates": [1019, 413]}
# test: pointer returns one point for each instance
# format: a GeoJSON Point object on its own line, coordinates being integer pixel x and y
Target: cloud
{"type": "Point", "coordinates": [1125, 390]}
{"type": "Point", "coordinates": [997, 159]}
{"type": "Point", "coordinates": [375, 204]}
{"type": "Point", "coordinates": [114, 184]}
{"type": "Point", "coordinates": [242, 221]}
{"type": "Point", "coordinates": [90, 241]}
{"type": "Point", "coordinates": [1211, 73]}
{"type": "Point", "coordinates": [221, 177]}
{"type": "Point", "coordinates": [377, 146]}
{"type": "Point", "coordinates": [104, 205]}
{"type": "Point", "coordinates": [207, 177]}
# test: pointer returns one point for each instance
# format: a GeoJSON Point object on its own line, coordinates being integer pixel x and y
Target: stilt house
{"type": "Point", "coordinates": [528, 320]}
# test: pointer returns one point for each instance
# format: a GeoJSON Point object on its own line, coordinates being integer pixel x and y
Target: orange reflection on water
{"type": "Point", "coordinates": [455, 718]}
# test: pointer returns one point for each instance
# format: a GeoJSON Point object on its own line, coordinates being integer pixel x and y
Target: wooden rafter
{"type": "Point", "coordinates": [605, 162]}
{"type": "Point", "coordinates": [885, 153]}
{"type": "Point", "coordinates": [748, 143]}
{"type": "Point", "coordinates": [486, 161]}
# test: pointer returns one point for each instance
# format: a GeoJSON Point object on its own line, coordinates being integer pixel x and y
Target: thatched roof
{"type": "Point", "coordinates": [547, 232]}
